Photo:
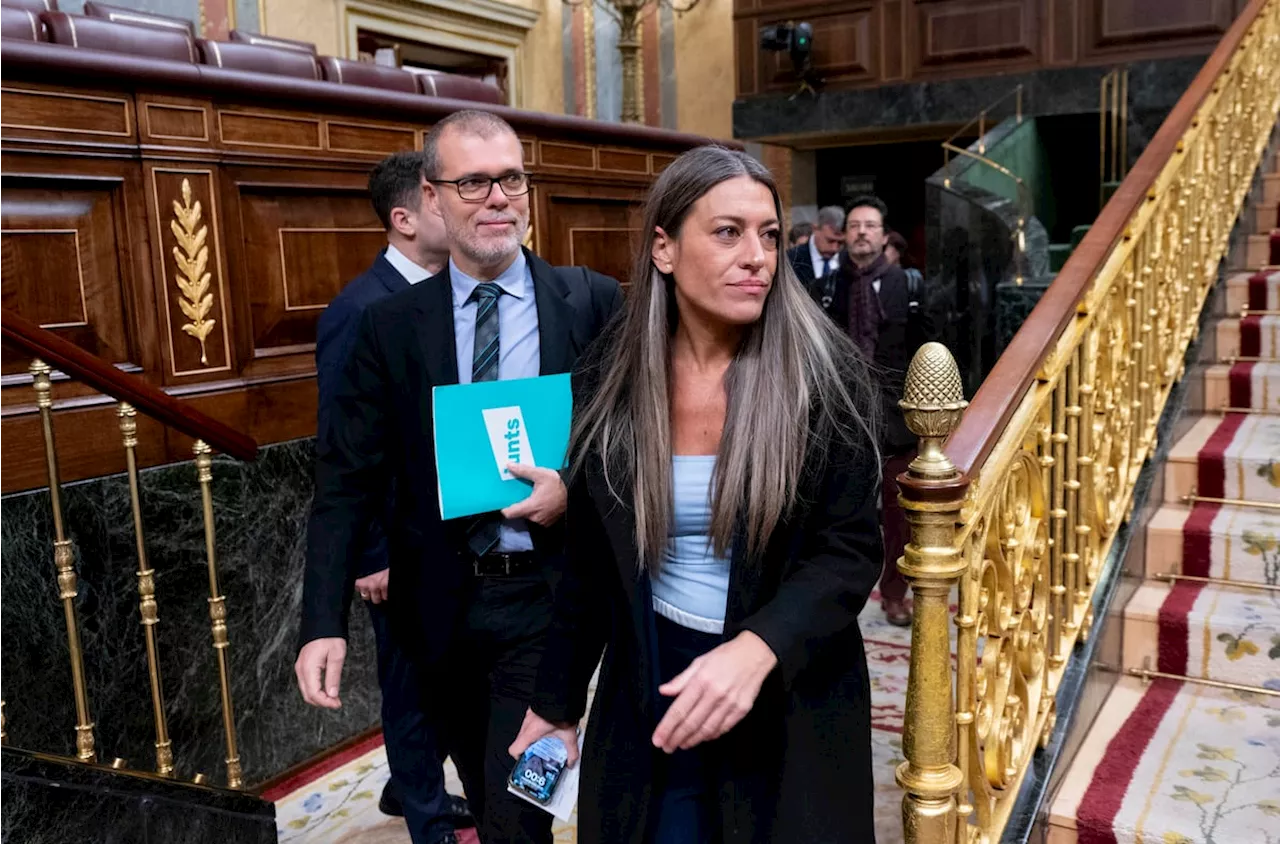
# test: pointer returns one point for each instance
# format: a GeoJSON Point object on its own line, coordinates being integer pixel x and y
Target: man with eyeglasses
{"type": "Point", "coordinates": [416, 249]}
{"type": "Point", "coordinates": [873, 301]}
{"type": "Point", "coordinates": [479, 591]}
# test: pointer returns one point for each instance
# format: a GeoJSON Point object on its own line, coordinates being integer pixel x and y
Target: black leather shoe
{"type": "Point", "coordinates": [389, 803]}
{"type": "Point", "coordinates": [460, 812]}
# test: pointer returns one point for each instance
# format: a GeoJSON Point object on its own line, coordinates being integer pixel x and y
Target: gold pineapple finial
{"type": "Point", "coordinates": [932, 403]}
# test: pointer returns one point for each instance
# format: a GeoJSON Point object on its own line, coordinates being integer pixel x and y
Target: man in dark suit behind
{"type": "Point", "coordinates": [816, 262]}
{"type": "Point", "coordinates": [874, 302]}
{"type": "Point", "coordinates": [477, 592]}
{"type": "Point", "coordinates": [417, 248]}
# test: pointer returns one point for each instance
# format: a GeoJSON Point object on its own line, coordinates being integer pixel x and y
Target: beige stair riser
{"type": "Point", "coordinates": [1271, 190]}
{"type": "Point", "coordinates": [1264, 218]}
{"type": "Point", "coordinates": [1227, 338]}
{"type": "Point", "coordinates": [1237, 292]}
{"type": "Point", "coordinates": [1258, 252]}
{"type": "Point", "coordinates": [1217, 387]}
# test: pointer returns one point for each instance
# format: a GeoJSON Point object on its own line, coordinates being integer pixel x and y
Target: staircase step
{"type": "Point", "coordinates": [1259, 290]}
{"type": "Point", "coordinates": [1241, 459]}
{"type": "Point", "coordinates": [1253, 336]}
{"type": "Point", "coordinates": [1257, 253]}
{"type": "Point", "coordinates": [1234, 543]}
{"type": "Point", "coordinates": [1205, 630]}
{"type": "Point", "coordinates": [1271, 189]}
{"type": "Point", "coordinates": [1173, 763]}
{"type": "Point", "coordinates": [1257, 385]}
{"type": "Point", "coordinates": [1260, 336]}
{"type": "Point", "coordinates": [1266, 218]}
{"type": "Point", "coordinates": [1226, 343]}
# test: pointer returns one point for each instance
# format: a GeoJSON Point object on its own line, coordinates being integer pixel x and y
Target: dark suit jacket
{"type": "Point", "coordinates": [802, 264]}
{"type": "Point", "coordinates": [335, 334]}
{"type": "Point", "coordinates": [798, 767]}
{"type": "Point", "coordinates": [901, 333]}
{"type": "Point", "coordinates": [380, 436]}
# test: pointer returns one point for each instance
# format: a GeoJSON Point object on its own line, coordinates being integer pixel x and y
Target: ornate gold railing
{"type": "Point", "coordinates": [130, 391]}
{"type": "Point", "coordinates": [1019, 510]}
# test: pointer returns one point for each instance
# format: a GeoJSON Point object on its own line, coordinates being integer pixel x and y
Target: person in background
{"type": "Point", "coordinates": [799, 235]}
{"type": "Point", "coordinates": [815, 263]}
{"type": "Point", "coordinates": [872, 301]}
{"type": "Point", "coordinates": [723, 488]}
{"type": "Point", "coordinates": [896, 253]}
{"type": "Point", "coordinates": [417, 249]}
{"type": "Point", "coordinates": [472, 597]}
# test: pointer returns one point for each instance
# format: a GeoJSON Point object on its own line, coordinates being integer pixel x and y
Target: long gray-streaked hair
{"type": "Point", "coordinates": [795, 377]}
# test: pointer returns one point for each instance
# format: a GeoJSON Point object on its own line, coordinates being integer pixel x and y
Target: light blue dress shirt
{"type": "Point", "coordinates": [692, 586]}
{"type": "Point", "coordinates": [519, 350]}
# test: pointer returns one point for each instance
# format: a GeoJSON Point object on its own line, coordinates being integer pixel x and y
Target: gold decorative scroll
{"type": "Point", "coordinates": [192, 257]}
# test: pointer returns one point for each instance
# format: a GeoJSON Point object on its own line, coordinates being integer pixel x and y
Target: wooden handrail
{"type": "Point", "coordinates": [1014, 373]}
{"type": "Point", "coordinates": [105, 378]}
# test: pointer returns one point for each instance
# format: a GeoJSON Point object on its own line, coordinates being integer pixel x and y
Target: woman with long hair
{"type": "Point", "coordinates": [722, 538]}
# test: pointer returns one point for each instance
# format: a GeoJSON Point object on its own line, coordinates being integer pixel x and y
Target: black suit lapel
{"type": "Point", "coordinates": [388, 275]}
{"type": "Point", "coordinates": [557, 347]}
{"type": "Point", "coordinates": [435, 328]}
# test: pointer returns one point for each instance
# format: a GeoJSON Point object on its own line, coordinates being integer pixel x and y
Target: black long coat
{"type": "Point", "coordinates": [798, 767]}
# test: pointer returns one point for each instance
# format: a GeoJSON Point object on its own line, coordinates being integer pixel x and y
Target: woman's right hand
{"type": "Point", "coordinates": [536, 727]}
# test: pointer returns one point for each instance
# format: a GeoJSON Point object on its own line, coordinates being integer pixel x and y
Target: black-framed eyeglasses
{"type": "Point", "coordinates": [478, 188]}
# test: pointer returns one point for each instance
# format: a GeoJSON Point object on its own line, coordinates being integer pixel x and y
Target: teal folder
{"type": "Point", "coordinates": [480, 428]}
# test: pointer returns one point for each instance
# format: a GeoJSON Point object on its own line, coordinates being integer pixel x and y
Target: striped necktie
{"type": "Point", "coordinates": [482, 533]}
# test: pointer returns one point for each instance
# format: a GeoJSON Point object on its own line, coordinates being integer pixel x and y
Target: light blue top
{"type": "Point", "coordinates": [692, 586]}
{"type": "Point", "coordinates": [519, 351]}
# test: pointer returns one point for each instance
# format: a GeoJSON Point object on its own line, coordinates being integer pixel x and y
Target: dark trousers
{"type": "Point", "coordinates": [413, 753]}
{"type": "Point", "coordinates": [893, 586]}
{"type": "Point", "coordinates": [688, 810]}
{"type": "Point", "coordinates": [483, 695]}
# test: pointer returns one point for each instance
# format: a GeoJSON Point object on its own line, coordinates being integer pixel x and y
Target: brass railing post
{"type": "Point", "coordinates": [932, 495]}
{"type": "Point", "coordinates": [64, 561]}
{"type": "Point", "coordinates": [146, 591]}
{"type": "Point", "coordinates": [217, 611]}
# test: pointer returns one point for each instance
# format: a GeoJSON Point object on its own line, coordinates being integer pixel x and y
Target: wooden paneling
{"type": "Point", "coordinates": [1113, 23]}
{"type": "Point", "coordinates": [273, 221]}
{"type": "Point", "coordinates": [1062, 35]}
{"type": "Point", "coordinates": [864, 43]}
{"type": "Point", "coordinates": [570, 156]}
{"type": "Point", "coordinates": [238, 128]}
{"type": "Point", "coordinates": [746, 40]}
{"type": "Point", "coordinates": [368, 139]}
{"type": "Point", "coordinates": [61, 240]}
{"type": "Point", "coordinates": [593, 229]}
{"type": "Point", "coordinates": [893, 40]}
{"type": "Point", "coordinates": [845, 49]}
{"type": "Point", "coordinates": [975, 30]}
{"type": "Point", "coordinates": [621, 161]}
{"type": "Point", "coordinates": [303, 245]}
{"type": "Point", "coordinates": [42, 112]}
{"type": "Point", "coordinates": [167, 122]}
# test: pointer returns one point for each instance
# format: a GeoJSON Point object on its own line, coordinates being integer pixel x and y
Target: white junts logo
{"type": "Point", "coordinates": [509, 437]}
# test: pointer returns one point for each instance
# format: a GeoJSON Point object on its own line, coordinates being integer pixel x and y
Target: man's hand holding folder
{"type": "Point", "coordinates": [494, 438]}
{"type": "Point", "coordinates": [546, 504]}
